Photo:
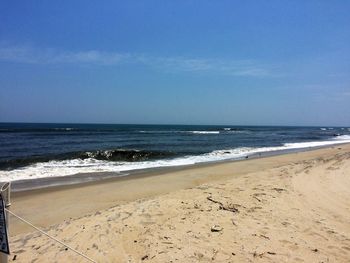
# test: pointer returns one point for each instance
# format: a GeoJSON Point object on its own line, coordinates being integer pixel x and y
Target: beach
{"type": "Point", "coordinates": [287, 208]}
{"type": "Point", "coordinates": [175, 131]}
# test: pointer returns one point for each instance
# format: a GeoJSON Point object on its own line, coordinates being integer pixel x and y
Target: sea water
{"type": "Point", "coordinates": [30, 151]}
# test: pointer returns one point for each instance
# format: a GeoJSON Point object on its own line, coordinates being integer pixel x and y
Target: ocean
{"type": "Point", "coordinates": [31, 151]}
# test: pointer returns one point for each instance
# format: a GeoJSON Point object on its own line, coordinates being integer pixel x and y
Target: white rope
{"type": "Point", "coordinates": [46, 234]}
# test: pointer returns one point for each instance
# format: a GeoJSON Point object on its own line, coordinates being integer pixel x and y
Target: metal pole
{"type": "Point", "coordinates": [6, 194]}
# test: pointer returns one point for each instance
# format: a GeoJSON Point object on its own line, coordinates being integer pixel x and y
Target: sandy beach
{"type": "Point", "coordinates": [287, 208]}
{"type": "Point", "coordinates": [175, 131]}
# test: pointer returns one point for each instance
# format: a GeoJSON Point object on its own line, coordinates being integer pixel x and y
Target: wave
{"type": "Point", "coordinates": [233, 129]}
{"type": "Point", "coordinates": [100, 161]}
{"type": "Point", "coordinates": [226, 130]}
{"type": "Point", "coordinates": [125, 155]}
{"type": "Point", "coordinates": [64, 129]}
{"type": "Point", "coordinates": [102, 155]}
{"type": "Point", "coordinates": [205, 132]}
{"type": "Point", "coordinates": [50, 130]}
{"type": "Point", "coordinates": [174, 131]}
{"type": "Point", "coordinates": [159, 131]}
{"type": "Point", "coordinates": [342, 138]}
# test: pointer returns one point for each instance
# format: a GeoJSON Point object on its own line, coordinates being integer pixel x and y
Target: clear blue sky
{"type": "Point", "coordinates": [182, 62]}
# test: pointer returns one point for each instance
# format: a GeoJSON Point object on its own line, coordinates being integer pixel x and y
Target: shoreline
{"type": "Point", "coordinates": [73, 201]}
{"type": "Point", "coordinates": [90, 178]}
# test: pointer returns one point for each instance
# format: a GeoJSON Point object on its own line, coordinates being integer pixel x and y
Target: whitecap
{"type": "Point", "coordinates": [205, 132]}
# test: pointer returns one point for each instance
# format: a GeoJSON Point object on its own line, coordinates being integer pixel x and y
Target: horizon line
{"type": "Point", "coordinates": [175, 124]}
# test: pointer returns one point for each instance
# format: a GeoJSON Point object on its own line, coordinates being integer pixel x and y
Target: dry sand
{"type": "Point", "coordinates": [288, 208]}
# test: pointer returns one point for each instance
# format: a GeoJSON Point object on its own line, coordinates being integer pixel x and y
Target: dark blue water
{"type": "Point", "coordinates": [23, 145]}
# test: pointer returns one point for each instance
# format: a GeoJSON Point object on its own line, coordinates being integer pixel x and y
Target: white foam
{"type": "Point", "coordinates": [205, 132]}
{"type": "Point", "coordinates": [90, 165]}
{"type": "Point", "coordinates": [193, 132]}
{"type": "Point", "coordinates": [342, 138]}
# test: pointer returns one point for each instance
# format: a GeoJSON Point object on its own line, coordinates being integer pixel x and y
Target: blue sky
{"type": "Point", "coordinates": [175, 62]}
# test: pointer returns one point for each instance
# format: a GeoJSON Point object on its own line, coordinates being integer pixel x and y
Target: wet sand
{"type": "Point", "coordinates": [292, 207]}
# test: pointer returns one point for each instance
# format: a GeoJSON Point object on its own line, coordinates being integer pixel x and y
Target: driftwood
{"type": "Point", "coordinates": [278, 189]}
{"type": "Point", "coordinates": [230, 208]}
{"type": "Point", "coordinates": [256, 198]}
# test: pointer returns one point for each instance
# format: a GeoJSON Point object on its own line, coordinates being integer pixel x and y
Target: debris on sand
{"type": "Point", "coordinates": [216, 228]}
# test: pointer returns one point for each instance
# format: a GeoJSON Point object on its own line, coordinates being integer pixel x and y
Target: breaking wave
{"type": "Point", "coordinates": [120, 160]}
{"type": "Point", "coordinates": [101, 155]}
